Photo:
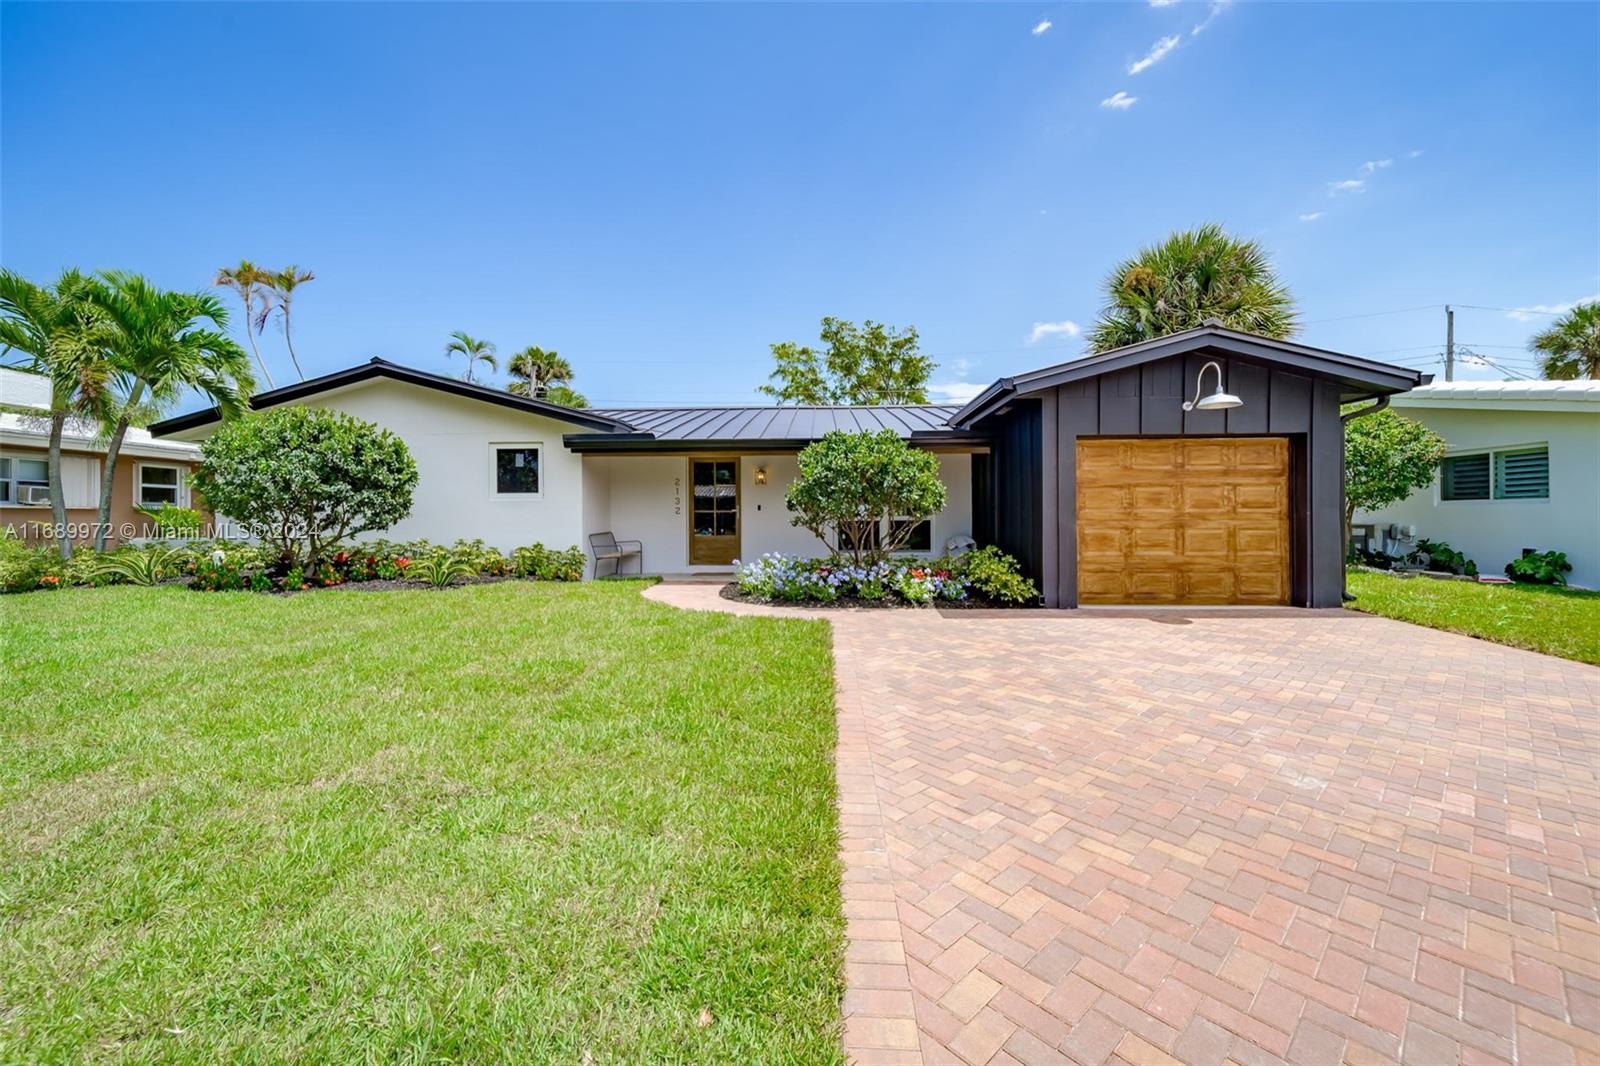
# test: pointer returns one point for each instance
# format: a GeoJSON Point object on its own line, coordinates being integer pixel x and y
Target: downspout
{"type": "Point", "coordinates": [1344, 534]}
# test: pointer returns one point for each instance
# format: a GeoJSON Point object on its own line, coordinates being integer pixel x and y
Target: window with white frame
{"type": "Point", "coordinates": [1521, 473]}
{"type": "Point", "coordinates": [17, 474]}
{"type": "Point", "coordinates": [921, 538]}
{"type": "Point", "coordinates": [515, 469]}
{"type": "Point", "coordinates": [158, 485]}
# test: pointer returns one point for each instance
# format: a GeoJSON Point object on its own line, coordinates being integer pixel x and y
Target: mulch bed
{"type": "Point", "coordinates": [731, 591]}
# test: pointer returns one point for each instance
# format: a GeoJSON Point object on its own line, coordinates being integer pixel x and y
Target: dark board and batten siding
{"type": "Point", "coordinates": [1146, 401]}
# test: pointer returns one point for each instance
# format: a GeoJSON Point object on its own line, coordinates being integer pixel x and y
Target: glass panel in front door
{"type": "Point", "coordinates": [716, 498]}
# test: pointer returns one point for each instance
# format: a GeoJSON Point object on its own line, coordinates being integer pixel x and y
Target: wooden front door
{"type": "Point", "coordinates": [1183, 520]}
{"type": "Point", "coordinates": [713, 511]}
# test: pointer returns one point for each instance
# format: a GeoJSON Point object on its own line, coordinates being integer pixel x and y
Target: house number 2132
{"type": "Point", "coordinates": [677, 495]}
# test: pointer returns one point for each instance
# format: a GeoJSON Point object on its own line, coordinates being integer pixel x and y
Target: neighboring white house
{"type": "Point", "coordinates": [1522, 471]}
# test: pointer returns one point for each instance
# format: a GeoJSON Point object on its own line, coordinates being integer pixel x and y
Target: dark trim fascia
{"type": "Point", "coordinates": [382, 368]}
{"type": "Point", "coordinates": [644, 444]}
{"type": "Point", "coordinates": [1366, 375]}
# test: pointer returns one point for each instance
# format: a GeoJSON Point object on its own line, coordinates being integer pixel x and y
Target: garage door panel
{"type": "Point", "coordinates": [1183, 520]}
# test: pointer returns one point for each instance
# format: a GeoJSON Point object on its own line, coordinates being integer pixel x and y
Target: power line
{"type": "Point", "coordinates": [1371, 314]}
{"type": "Point", "coordinates": [1513, 310]}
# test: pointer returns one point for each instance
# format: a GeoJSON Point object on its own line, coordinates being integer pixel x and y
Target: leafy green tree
{"type": "Point", "coordinates": [853, 484]}
{"type": "Point", "coordinates": [1387, 457]}
{"type": "Point", "coordinates": [304, 478]}
{"type": "Point", "coordinates": [159, 344]}
{"type": "Point", "coordinates": [251, 283]}
{"type": "Point", "coordinates": [280, 287]}
{"type": "Point", "coordinates": [867, 364]}
{"type": "Point", "coordinates": [566, 396]}
{"type": "Point", "coordinates": [472, 349]}
{"type": "Point", "coordinates": [1190, 277]}
{"type": "Point", "coordinates": [1570, 348]}
{"type": "Point", "coordinates": [534, 371]}
{"type": "Point", "coordinates": [56, 329]}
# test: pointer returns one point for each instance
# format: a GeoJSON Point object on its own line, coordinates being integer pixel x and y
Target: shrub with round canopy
{"type": "Point", "coordinates": [303, 479]}
{"type": "Point", "coordinates": [856, 483]}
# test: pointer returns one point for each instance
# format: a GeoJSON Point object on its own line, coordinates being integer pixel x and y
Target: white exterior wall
{"type": "Point", "coordinates": [649, 502]}
{"type": "Point", "coordinates": [450, 439]}
{"type": "Point", "coordinates": [1493, 532]}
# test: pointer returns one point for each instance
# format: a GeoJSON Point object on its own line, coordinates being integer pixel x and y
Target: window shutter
{"type": "Point", "coordinates": [1522, 475]}
{"type": "Point", "coordinates": [1466, 477]}
{"type": "Point", "coordinates": [80, 481]}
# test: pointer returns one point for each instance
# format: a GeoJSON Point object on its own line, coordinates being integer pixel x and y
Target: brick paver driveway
{"type": "Point", "coordinates": [1282, 836]}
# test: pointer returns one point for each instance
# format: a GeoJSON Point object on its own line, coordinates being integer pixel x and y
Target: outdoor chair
{"type": "Point", "coordinates": [607, 548]}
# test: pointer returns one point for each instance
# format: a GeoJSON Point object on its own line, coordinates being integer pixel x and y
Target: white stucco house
{"type": "Point", "coordinates": [1522, 471]}
{"type": "Point", "coordinates": [697, 487]}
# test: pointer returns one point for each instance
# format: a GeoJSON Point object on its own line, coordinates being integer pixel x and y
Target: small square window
{"type": "Point", "coordinates": [921, 537]}
{"type": "Point", "coordinates": [1465, 477]}
{"type": "Point", "coordinates": [516, 470]}
{"type": "Point", "coordinates": [160, 486]}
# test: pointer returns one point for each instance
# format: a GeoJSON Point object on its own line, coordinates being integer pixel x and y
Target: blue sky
{"type": "Point", "coordinates": [661, 191]}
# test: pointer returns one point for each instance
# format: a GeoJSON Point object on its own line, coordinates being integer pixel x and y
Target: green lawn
{"type": "Point", "coordinates": [1556, 621]}
{"type": "Point", "coordinates": [508, 822]}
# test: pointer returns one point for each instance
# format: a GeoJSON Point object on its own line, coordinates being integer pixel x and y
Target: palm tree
{"type": "Point", "coordinates": [1192, 276]}
{"type": "Point", "coordinates": [56, 329]}
{"type": "Point", "coordinates": [1571, 347]}
{"type": "Point", "coordinates": [533, 370]}
{"type": "Point", "coordinates": [250, 282]}
{"type": "Point", "coordinates": [476, 351]}
{"type": "Point", "coordinates": [160, 344]}
{"type": "Point", "coordinates": [281, 285]}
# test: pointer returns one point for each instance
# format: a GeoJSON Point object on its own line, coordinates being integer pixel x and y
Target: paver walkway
{"type": "Point", "coordinates": [1311, 837]}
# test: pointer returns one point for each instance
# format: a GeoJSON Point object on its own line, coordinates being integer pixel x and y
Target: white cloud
{"type": "Point", "coordinates": [956, 391]}
{"type": "Point", "coordinates": [1348, 185]}
{"type": "Point", "coordinates": [1157, 53]}
{"type": "Point", "coordinates": [1310, 216]}
{"type": "Point", "coordinates": [1373, 165]}
{"type": "Point", "coordinates": [1528, 314]}
{"type": "Point", "coordinates": [1041, 330]}
{"type": "Point", "coordinates": [1162, 3]}
{"type": "Point", "coordinates": [1217, 8]}
{"type": "Point", "coordinates": [1119, 101]}
{"type": "Point", "coordinates": [1042, 28]}
{"type": "Point", "coordinates": [1414, 153]}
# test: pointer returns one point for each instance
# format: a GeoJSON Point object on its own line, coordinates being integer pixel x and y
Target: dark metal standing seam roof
{"type": "Point", "coordinates": [764, 423]}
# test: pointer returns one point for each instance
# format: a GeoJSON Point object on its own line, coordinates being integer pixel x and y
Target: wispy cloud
{"type": "Point", "coordinates": [956, 391]}
{"type": "Point", "coordinates": [1042, 27]}
{"type": "Point", "coordinates": [1310, 216]}
{"type": "Point", "coordinates": [1533, 311]}
{"type": "Point", "coordinates": [1217, 8]}
{"type": "Point", "coordinates": [1063, 329]}
{"type": "Point", "coordinates": [1348, 185]}
{"type": "Point", "coordinates": [1162, 3]}
{"type": "Point", "coordinates": [1119, 101]}
{"type": "Point", "coordinates": [1372, 166]}
{"type": "Point", "coordinates": [1157, 53]}
{"type": "Point", "coordinates": [1414, 153]}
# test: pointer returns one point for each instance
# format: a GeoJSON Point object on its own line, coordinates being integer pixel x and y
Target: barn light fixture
{"type": "Point", "coordinates": [1217, 401]}
{"type": "Point", "coordinates": [761, 475]}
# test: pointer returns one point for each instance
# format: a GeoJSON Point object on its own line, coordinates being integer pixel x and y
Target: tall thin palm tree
{"type": "Point", "coordinates": [476, 351]}
{"type": "Point", "coordinates": [1192, 276]}
{"type": "Point", "coordinates": [55, 327]}
{"type": "Point", "coordinates": [281, 286]}
{"type": "Point", "coordinates": [160, 344]}
{"type": "Point", "coordinates": [1570, 348]}
{"type": "Point", "coordinates": [533, 370]}
{"type": "Point", "coordinates": [250, 282]}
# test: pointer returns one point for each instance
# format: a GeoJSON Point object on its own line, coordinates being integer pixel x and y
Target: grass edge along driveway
{"type": "Point", "coordinates": [1556, 621]}
{"type": "Point", "coordinates": [511, 822]}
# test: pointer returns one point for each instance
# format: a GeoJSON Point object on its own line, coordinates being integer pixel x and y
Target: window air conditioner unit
{"type": "Point", "coordinates": [38, 494]}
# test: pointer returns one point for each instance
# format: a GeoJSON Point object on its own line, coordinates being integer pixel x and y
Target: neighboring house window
{"type": "Point", "coordinates": [17, 474]}
{"type": "Point", "coordinates": [516, 469]}
{"type": "Point", "coordinates": [1511, 474]}
{"type": "Point", "coordinates": [921, 539]}
{"type": "Point", "coordinates": [159, 486]}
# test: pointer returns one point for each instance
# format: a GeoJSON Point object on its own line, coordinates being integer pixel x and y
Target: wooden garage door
{"type": "Point", "coordinates": [1196, 520]}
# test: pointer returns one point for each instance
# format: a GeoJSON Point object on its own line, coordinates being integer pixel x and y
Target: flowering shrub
{"type": "Point", "coordinates": [776, 576]}
{"type": "Point", "coordinates": [995, 575]}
